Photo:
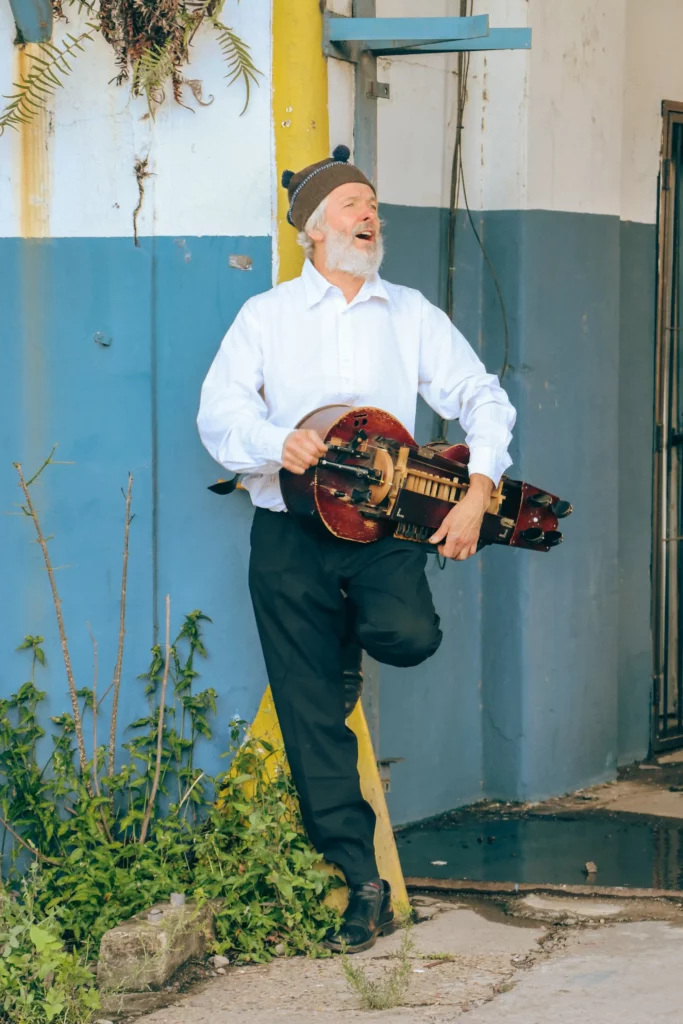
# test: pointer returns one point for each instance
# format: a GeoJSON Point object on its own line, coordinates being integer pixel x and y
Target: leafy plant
{"type": "Point", "coordinates": [107, 841]}
{"type": "Point", "coordinates": [253, 858]}
{"type": "Point", "coordinates": [40, 980]}
{"type": "Point", "coordinates": [47, 74]}
{"type": "Point", "coordinates": [248, 853]}
{"type": "Point", "coordinates": [151, 43]}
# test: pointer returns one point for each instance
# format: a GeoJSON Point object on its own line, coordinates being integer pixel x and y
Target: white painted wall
{"type": "Point", "coordinates": [599, 70]}
{"type": "Point", "coordinates": [575, 105]}
{"type": "Point", "coordinates": [341, 87]}
{"type": "Point", "coordinates": [416, 126]}
{"type": "Point", "coordinates": [495, 136]}
{"type": "Point", "coordinates": [414, 133]}
{"type": "Point", "coordinates": [572, 125]}
{"type": "Point", "coordinates": [211, 167]}
{"type": "Point", "coordinates": [654, 72]}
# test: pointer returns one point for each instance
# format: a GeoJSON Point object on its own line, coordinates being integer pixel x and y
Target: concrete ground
{"type": "Point", "coordinates": [532, 960]}
{"type": "Point", "coordinates": [525, 959]}
{"type": "Point", "coordinates": [653, 788]}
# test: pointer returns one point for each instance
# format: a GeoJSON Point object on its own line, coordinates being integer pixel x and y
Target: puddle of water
{"type": "Point", "coordinates": [487, 909]}
{"type": "Point", "coordinates": [637, 853]}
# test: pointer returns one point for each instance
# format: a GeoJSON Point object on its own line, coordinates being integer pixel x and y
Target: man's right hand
{"type": "Point", "coordinates": [301, 450]}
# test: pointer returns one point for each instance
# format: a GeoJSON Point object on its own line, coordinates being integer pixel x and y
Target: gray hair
{"type": "Point", "coordinates": [315, 222]}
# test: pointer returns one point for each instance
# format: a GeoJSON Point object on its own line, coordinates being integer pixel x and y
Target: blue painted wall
{"type": "Point", "coordinates": [129, 406]}
{"type": "Point", "coordinates": [544, 685]}
{"type": "Point", "coordinates": [431, 715]}
{"type": "Point", "coordinates": [638, 250]}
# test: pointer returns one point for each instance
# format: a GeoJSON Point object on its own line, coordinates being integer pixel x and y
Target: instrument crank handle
{"type": "Point", "coordinates": [346, 450]}
{"type": "Point", "coordinates": [360, 471]}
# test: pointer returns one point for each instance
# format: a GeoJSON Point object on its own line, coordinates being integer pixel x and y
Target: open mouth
{"type": "Point", "coordinates": [366, 236]}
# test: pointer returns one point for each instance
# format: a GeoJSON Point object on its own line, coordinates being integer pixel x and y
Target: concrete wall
{"type": "Point", "coordinates": [561, 153]}
{"type": "Point", "coordinates": [542, 683]}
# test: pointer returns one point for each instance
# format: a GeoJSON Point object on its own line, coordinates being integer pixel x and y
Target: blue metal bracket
{"type": "Point", "coordinates": [33, 19]}
{"type": "Point", "coordinates": [349, 37]}
{"type": "Point", "coordinates": [497, 39]}
{"type": "Point", "coordinates": [405, 31]}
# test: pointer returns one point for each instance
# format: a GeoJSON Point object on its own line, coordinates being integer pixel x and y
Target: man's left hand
{"type": "Point", "coordinates": [458, 534]}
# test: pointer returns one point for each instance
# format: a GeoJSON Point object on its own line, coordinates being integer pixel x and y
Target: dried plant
{"type": "Point", "coordinates": [151, 41]}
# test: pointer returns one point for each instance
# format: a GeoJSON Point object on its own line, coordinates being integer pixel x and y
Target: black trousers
{"type": "Point", "coordinates": [298, 576]}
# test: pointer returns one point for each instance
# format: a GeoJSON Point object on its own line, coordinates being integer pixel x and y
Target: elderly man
{"type": "Point", "coordinates": [340, 334]}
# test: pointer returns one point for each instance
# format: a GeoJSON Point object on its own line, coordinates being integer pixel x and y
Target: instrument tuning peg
{"type": "Point", "coordinates": [540, 500]}
{"type": "Point", "coordinates": [534, 535]}
{"type": "Point", "coordinates": [358, 496]}
{"type": "Point", "coordinates": [561, 509]}
{"type": "Point", "coordinates": [553, 538]}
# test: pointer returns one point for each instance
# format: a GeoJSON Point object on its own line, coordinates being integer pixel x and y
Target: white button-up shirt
{"type": "Point", "coordinates": [301, 345]}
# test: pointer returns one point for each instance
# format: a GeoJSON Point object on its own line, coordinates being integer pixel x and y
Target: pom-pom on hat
{"type": "Point", "coordinates": [308, 188]}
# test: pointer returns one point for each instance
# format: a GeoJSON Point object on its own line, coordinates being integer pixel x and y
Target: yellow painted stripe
{"type": "Point", "coordinates": [266, 727]}
{"type": "Point", "coordinates": [300, 116]}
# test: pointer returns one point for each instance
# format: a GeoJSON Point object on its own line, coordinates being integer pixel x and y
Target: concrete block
{"type": "Point", "coordinates": [124, 1005]}
{"type": "Point", "coordinates": [142, 953]}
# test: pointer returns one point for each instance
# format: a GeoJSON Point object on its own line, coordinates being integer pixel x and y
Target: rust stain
{"type": "Point", "coordinates": [32, 193]}
{"type": "Point", "coordinates": [34, 167]}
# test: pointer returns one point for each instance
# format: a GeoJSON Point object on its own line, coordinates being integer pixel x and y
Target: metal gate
{"type": "Point", "coordinates": [667, 605]}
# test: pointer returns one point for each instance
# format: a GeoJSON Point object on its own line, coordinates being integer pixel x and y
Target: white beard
{"type": "Point", "coordinates": [342, 254]}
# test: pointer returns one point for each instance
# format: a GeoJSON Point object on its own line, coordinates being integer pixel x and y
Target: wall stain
{"type": "Point", "coordinates": [34, 164]}
{"type": "Point", "coordinates": [32, 192]}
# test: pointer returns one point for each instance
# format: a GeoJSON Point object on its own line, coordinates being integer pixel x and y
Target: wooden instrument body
{"type": "Point", "coordinates": [403, 488]}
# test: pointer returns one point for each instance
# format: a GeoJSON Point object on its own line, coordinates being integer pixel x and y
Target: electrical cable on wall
{"type": "Point", "coordinates": [458, 180]}
{"type": "Point", "coordinates": [494, 276]}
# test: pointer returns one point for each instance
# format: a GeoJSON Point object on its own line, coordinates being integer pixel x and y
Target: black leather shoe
{"type": "Point", "coordinates": [368, 915]}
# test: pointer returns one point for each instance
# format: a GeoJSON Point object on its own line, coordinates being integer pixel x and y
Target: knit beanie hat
{"type": "Point", "coordinates": [308, 188]}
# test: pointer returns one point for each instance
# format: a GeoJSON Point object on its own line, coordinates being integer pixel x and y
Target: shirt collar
{"type": "Point", "coordinates": [316, 287]}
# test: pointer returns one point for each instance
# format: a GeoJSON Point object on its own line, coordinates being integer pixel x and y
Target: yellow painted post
{"type": "Point", "coordinates": [266, 727]}
{"type": "Point", "coordinates": [300, 116]}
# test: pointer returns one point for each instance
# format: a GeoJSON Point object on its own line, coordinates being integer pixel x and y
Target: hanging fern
{"type": "Point", "coordinates": [151, 71]}
{"type": "Point", "coordinates": [151, 40]}
{"type": "Point", "coordinates": [238, 58]}
{"type": "Point", "coordinates": [46, 75]}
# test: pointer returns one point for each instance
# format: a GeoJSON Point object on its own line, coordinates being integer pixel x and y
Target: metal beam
{"type": "Point", "coordinates": [365, 119]}
{"type": "Point", "coordinates": [348, 38]}
{"type": "Point", "coordinates": [33, 19]}
{"type": "Point", "coordinates": [497, 39]}
{"type": "Point", "coordinates": [389, 31]}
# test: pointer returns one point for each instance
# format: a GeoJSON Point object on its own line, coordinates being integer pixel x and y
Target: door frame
{"type": "Point", "coordinates": [672, 114]}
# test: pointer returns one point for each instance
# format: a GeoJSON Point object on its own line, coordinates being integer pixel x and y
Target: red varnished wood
{"type": "Point", "coordinates": [325, 494]}
{"type": "Point", "coordinates": [529, 516]}
{"type": "Point", "coordinates": [342, 518]}
{"type": "Point", "coordinates": [298, 490]}
{"type": "Point", "coordinates": [457, 453]}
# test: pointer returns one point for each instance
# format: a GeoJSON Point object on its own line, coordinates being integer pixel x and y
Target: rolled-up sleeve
{"type": "Point", "coordinates": [232, 419]}
{"type": "Point", "coordinates": [454, 382]}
